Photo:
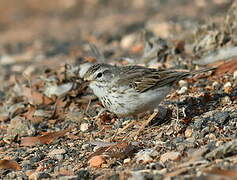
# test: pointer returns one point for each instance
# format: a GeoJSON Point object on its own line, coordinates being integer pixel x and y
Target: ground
{"type": "Point", "coordinates": [49, 123]}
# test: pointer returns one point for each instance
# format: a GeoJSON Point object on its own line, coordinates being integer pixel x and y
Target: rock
{"type": "Point", "coordinates": [84, 127]}
{"type": "Point", "coordinates": [216, 85]}
{"type": "Point", "coordinates": [34, 176]}
{"type": "Point", "coordinates": [128, 40]}
{"type": "Point", "coordinates": [221, 117]}
{"type": "Point", "coordinates": [57, 154]}
{"type": "Point", "coordinates": [20, 126]}
{"type": "Point", "coordinates": [183, 90]}
{"type": "Point", "coordinates": [235, 75]}
{"type": "Point", "coordinates": [68, 177]}
{"type": "Point", "coordinates": [223, 150]}
{"type": "Point", "coordinates": [2, 94]}
{"type": "Point", "coordinates": [188, 132]}
{"type": "Point", "coordinates": [227, 87]}
{"type": "Point", "coordinates": [155, 166]}
{"type": "Point", "coordinates": [228, 84]}
{"type": "Point", "coordinates": [225, 100]}
{"type": "Point", "coordinates": [183, 83]}
{"type": "Point", "coordinates": [127, 160]}
{"type": "Point", "coordinates": [38, 156]}
{"type": "Point", "coordinates": [43, 175]}
{"type": "Point", "coordinates": [173, 156]}
{"type": "Point", "coordinates": [146, 155]}
{"type": "Point", "coordinates": [83, 175]}
{"type": "Point", "coordinates": [97, 161]}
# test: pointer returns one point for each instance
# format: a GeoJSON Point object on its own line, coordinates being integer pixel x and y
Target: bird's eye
{"type": "Point", "coordinates": [99, 75]}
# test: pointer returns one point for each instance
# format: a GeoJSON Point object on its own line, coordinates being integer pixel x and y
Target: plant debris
{"type": "Point", "coordinates": [53, 127]}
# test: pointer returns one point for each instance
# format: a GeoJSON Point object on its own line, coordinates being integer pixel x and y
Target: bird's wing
{"type": "Point", "coordinates": [143, 79]}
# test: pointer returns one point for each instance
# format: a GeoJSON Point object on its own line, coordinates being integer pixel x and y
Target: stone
{"type": "Point", "coordinates": [183, 83]}
{"type": "Point", "coordinates": [127, 41]}
{"type": "Point", "coordinates": [84, 127]}
{"type": "Point", "coordinates": [55, 152]}
{"type": "Point", "coordinates": [146, 155]}
{"type": "Point", "coordinates": [221, 117]}
{"type": "Point", "coordinates": [235, 75]}
{"type": "Point", "coordinates": [183, 90]}
{"type": "Point", "coordinates": [225, 100]}
{"type": "Point", "coordinates": [20, 126]}
{"type": "Point", "coordinates": [188, 132]}
{"type": "Point", "coordinates": [173, 156]}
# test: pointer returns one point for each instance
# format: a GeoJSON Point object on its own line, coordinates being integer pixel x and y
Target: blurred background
{"type": "Point", "coordinates": [42, 29]}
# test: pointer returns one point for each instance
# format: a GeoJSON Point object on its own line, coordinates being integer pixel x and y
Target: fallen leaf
{"type": "Point", "coordinates": [45, 139]}
{"type": "Point", "coordinates": [9, 164]}
{"type": "Point", "coordinates": [35, 97]}
{"type": "Point", "coordinates": [30, 115]}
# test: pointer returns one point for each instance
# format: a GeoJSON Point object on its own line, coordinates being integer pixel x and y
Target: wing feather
{"type": "Point", "coordinates": [143, 79]}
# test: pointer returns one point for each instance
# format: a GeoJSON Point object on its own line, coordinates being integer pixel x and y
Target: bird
{"type": "Point", "coordinates": [131, 90]}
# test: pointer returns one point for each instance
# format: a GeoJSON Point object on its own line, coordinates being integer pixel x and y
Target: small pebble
{"type": "Point", "coordinates": [170, 156]}
{"type": "Point", "coordinates": [84, 127]}
{"type": "Point", "coordinates": [235, 75]}
{"type": "Point", "coordinates": [34, 175]}
{"type": "Point", "coordinates": [221, 117]}
{"type": "Point", "coordinates": [183, 83]}
{"type": "Point", "coordinates": [183, 90]}
{"type": "Point", "coordinates": [125, 161]}
{"type": "Point", "coordinates": [85, 146]}
{"type": "Point", "coordinates": [20, 126]}
{"type": "Point", "coordinates": [215, 85]}
{"type": "Point", "coordinates": [227, 87]}
{"type": "Point", "coordinates": [225, 100]}
{"type": "Point", "coordinates": [211, 136]}
{"type": "Point", "coordinates": [188, 132]}
{"type": "Point", "coordinates": [59, 157]}
{"type": "Point", "coordinates": [55, 152]}
{"type": "Point", "coordinates": [43, 175]}
{"type": "Point", "coordinates": [127, 41]}
{"type": "Point", "coordinates": [97, 161]}
{"type": "Point", "coordinates": [146, 155]}
{"type": "Point", "coordinates": [228, 84]}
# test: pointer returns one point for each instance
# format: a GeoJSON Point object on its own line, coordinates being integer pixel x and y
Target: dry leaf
{"type": "Point", "coordinates": [45, 139]}
{"type": "Point", "coordinates": [35, 97]}
{"type": "Point", "coordinates": [9, 164]}
{"type": "Point", "coordinates": [30, 115]}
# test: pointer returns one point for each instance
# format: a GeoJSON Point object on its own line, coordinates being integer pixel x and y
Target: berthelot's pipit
{"type": "Point", "coordinates": [130, 90]}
